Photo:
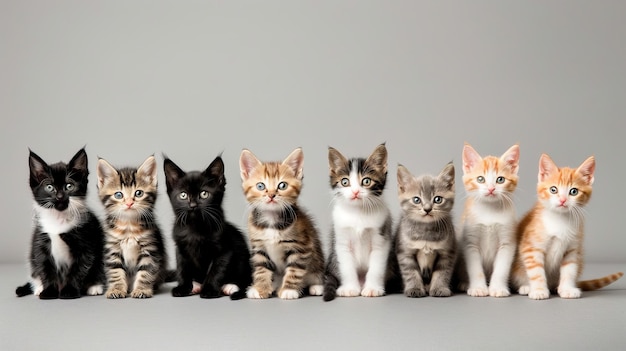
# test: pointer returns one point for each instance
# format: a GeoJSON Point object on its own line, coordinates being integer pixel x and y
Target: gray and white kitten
{"type": "Point", "coordinates": [425, 237]}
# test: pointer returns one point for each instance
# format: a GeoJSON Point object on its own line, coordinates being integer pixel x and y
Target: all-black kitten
{"type": "Point", "coordinates": [212, 255]}
{"type": "Point", "coordinates": [67, 242]}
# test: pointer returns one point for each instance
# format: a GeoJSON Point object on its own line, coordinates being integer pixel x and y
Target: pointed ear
{"type": "Point", "coordinates": [378, 158]}
{"type": "Point", "coordinates": [105, 171]}
{"type": "Point", "coordinates": [546, 167]}
{"type": "Point", "coordinates": [447, 175]}
{"type": "Point", "coordinates": [295, 161]}
{"type": "Point", "coordinates": [587, 169]}
{"type": "Point", "coordinates": [216, 170]}
{"type": "Point", "coordinates": [336, 160]}
{"type": "Point", "coordinates": [404, 177]}
{"type": "Point", "coordinates": [148, 171]}
{"type": "Point", "coordinates": [79, 162]}
{"type": "Point", "coordinates": [471, 158]}
{"type": "Point", "coordinates": [511, 158]}
{"type": "Point", "coordinates": [172, 173]}
{"type": "Point", "coordinates": [39, 169]}
{"type": "Point", "coordinates": [247, 163]}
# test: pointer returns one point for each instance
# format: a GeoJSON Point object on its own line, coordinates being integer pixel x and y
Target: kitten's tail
{"type": "Point", "coordinates": [331, 282]}
{"type": "Point", "coordinates": [24, 290]}
{"type": "Point", "coordinates": [594, 284]}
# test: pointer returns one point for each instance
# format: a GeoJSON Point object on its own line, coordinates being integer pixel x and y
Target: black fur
{"type": "Point", "coordinates": [49, 185]}
{"type": "Point", "coordinates": [209, 250]}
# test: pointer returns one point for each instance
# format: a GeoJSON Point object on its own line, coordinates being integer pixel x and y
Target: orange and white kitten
{"type": "Point", "coordinates": [487, 240]}
{"type": "Point", "coordinates": [550, 236]}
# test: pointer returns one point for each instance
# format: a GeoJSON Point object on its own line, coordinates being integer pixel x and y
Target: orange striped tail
{"type": "Point", "coordinates": [594, 284]}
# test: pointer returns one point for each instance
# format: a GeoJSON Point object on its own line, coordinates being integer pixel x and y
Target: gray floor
{"type": "Point", "coordinates": [595, 322]}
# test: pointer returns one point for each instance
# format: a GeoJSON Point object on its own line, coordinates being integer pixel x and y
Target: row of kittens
{"type": "Point", "coordinates": [74, 254]}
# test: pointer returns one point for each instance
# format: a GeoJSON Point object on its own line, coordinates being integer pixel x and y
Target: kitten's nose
{"type": "Point", "coordinates": [193, 204]}
{"type": "Point", "coordinates": [427, 210]}
{"type": "Point", "coordinates": [129, 204]}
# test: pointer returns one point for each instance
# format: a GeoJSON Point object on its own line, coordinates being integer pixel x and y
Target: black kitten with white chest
{"type": "Point", "coordinates": [67, 242]}
{"type": "Point", "coordinates": [212, 255]}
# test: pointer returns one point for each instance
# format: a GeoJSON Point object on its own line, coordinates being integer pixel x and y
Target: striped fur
{"type": "Point", "coordinates": [286, 253]}
{"type": "Point", "coordinates": [550, 236]}
{"type": "Point", "coordinates": [135, 257]}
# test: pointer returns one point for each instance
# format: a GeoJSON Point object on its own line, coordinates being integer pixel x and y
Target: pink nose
{"type": "Point", "coordinates": [491, 190]}
{"type": "Point", "coordinates": [130, 204]}
{"type": "Point", "coordinates": [562, 201]}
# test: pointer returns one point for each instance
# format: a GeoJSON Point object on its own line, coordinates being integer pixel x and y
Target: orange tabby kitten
{"type": "Point", "coordinates": [550, 236]}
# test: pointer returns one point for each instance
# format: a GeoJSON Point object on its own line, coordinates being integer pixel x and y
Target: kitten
{"type": "Point", "coordinates": [209, 250]}
{"type": "Point", "coordinates": [487, 239]}
{"type": "Point", "coordinates": [550, 236]}
{"type": "Point", "coordinates": [66, 245]}
{"type": "Point", "coordinates": [425, 238]}
{"type": "Point", "coordinates": [285, 245]}
{"type": "Point", "coordinates": [361, 226]}
{"type": "Point", "coordinates": [134, 250]}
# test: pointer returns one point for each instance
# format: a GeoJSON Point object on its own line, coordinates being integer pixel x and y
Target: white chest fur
{"type": "Point", "coordinates": [560, 225]}
{"type": "Point", "coordinates": [55, 223]}
{"type": "Point", "coordinates": [130, 251]}
{"type": "Point", "coordinates": [354, 217]}
{"type": "Point", "coordinates": [490, 214]}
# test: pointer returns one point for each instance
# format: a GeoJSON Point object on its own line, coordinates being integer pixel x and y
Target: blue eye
{"type": "Point", "coordinates": [118, 195]}
{"type": "Point", "coordinates": [573, 191]}
{"type": "Point", "coordinates": [480, 179]}
{"type": "Point", "coordinates": [260, 186]}
{"type": "Point", "coordinates": [50, 188]}
{"type": "Point", "coordinates": [417, 200]}
{"type": "Point", "coordinates": [139, 193]}
{"type": "Point", "coordinates": [366, 182]}
{"type": "Point", "coordinates": [500, 180]}
{"type": "Point", "coordinates": [554, 190]}
{"type": "Point", "coordinates": [282, 186]}
{"type": "Point", "coordinates": [345, 182]}
{"type": "Point", "coordinates": [438, 199]}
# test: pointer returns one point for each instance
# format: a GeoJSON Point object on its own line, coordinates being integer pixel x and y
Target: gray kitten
{"type": "Point", "coordinates": [425, 238]}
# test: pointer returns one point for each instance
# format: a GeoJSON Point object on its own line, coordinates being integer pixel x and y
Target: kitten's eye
{"type": "Point", "coordinates": [417, 200]}
{"type": "Point", "coordinates": [500, 180]}
{"type": "Point", "coordinates": [260, 186]}
{"type": "Point", "coordinates": [182, 196]}
{"type": "Point", "coordinates": [345, 182]}
{"type": "Point", "coordinates": [438, 199]}
{"type": "Point", "coordinates": [366, 182]}
{"type": "Point", "coordinates": [50, 188]}
{"type": "Point", "coordinates": [69, 187]}
{"type": "Point", "coordinates": [573, 191]}
{"type": "Point", "coordinates": [204, 195]}
{"type": "Point", "coordinates": [282, 186]}
{"type": "Point", "coordinates": [138, 193]}
{"type": "Point", "coordinates": [480, 179]}
{"type": "Point", "coordinates": [554, 190]}
{"type": "Point", "coordinates": [118, 195]}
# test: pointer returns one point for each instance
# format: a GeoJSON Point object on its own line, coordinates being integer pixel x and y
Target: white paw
{"type": "Point", "coordinates": [523, 290]}
{"type": "Point", "coordinates": [289, 294]}
{"type": "Point", "coordinates": [37, 286]}
{"type": "Point", "coordinates": [478, 291]}
{"type": "Point", "coordinates": [569, 293]}
{"type": "Point", "coordinates": [253, 293]}
{"type": "Point", "coordinates": [94, 290]}
{"type": "Point", "coordinates": [195, 288]}
{"type": "Point", "coordinates": [348, 291]}
{"type": "Point", "coordinates": [539, 294]}
{"type": "Point", "coordinates": [499, 291]}
{"type": "Point", "coordinates": [229, 289]}
{"type": "Point", "coordinates": [316, 290]}
{"type": "Point", "coordinates": [373, 291]}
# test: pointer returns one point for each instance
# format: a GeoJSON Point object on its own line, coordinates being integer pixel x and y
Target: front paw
{"type": "Point", "coordinates": [499, 291]}
{"type": "Point", "coordinates": [141, 293]}
{"type": "Point", "coordinates": [289, 294]}
{"type": "Point", "coordinates": [209, 293]}
{"type": "Point", "coordinates": [539, 294]}
{"type": "Point", "coordinates": [69, 292]}
{"type": "Point", "coordinates": [49, 293]}
{"type": "Point", "coordinates": [373, 291]}
{"type": "Point", "coordinates": [478, 291]}
{"type": "Point", "coordinates": [116, 293]}
{"type": "Point", "coordinates": [440, 292]}
{"type": "Point", "coordinates": [415, 292]}
{"type": "Point", "coordinates": [348, 291]}
{"type": "Point", "coordinates": [255, 293]}
{"type": "Point", "coordinates": [316, 290]}
{"type": "Point", "coordinates": [181, 291]}
{"type": "Point", "coordinates": [569, 293]}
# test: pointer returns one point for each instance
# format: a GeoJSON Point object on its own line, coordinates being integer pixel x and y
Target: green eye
{"type": "Point", "coordinates": [438, 199]}
{"type": "Point", "coordinates": [204, 195]}
{"type": "Point", "coordinates": [139, 193]}
{"type": "Point", "coordinates": [118, 195]}
{"type": "Point", "coordinates": [345, 182]}
{"type": "Point", "coordinates": [500, 180]}
{"type": "Point", "coordinates": [282, 186]}
{"type": "Point", "coordinates": [366, 182]}
{"type": "Point", "coordinates": [260, 186]}
{"type": "Point", "coordinates": [480, 179]}
{"type": "Point", "coordinates": [573, 191]}
{"type": "Point", "coordinates": [554, 190]}
{"type": "Point", "coordinates": [50, 188]}
{"type": "Point", "coordinates": [417, 200]}
{"type": "Point", "coordinates": [182, 196]}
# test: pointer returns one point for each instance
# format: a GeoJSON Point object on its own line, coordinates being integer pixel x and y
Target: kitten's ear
{"type": "Point", "coordinates": [511, 158]}
{"type": "Point", "coordinates": [295, 161]}
{"type": "Point", "coordinates": [216, 170]}
{"type": "Point", "coordinates": [471, 158]}
{"type": "Point", "coordinates": [546, 167]}
{"type": "Point", "coordinates": [148, 171]}
{"type": "Point", "coordinates": [79, 162]}
{"type": "Point", "coordinates": [404, 177]}
{"type": "Point", "coordinates": [378, 158]}
{"type": "Point", "coordinates": [172, 173]}
{"type": "Point", "coordinates": [105, 171]}
{"type": "Point", "coordinates": [336, 160]}
{"type": "Point", "coordinates": [587, 169]}
{"type": "Point", "coordinates": [247, 163]}
{"type": "Point", "coordinates": [39, 169]}
{"type": "Point", "coordinates": [447, 175]}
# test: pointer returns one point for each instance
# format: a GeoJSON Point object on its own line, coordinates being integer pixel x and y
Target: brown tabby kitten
{"type": "Point", "coordinates": [286, 250]}
{"type": "Point", "coordinates": [135, 257]}
{"type": "Point", "coordinates": [550, 236]}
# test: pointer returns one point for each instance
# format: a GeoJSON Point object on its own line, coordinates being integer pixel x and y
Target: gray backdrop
{"type": "Point", "coordinates": [130, 79]}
